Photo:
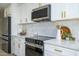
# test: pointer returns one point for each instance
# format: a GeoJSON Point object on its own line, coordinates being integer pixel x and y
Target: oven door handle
{"type": "Point", "coordinates": [34, 45]}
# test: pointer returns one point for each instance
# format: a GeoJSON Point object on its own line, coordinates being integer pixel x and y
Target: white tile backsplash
{"type": "Point", "coordinates": [43, 28]}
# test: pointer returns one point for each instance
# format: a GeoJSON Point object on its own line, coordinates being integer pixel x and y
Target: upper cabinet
{"type": "Point", "coordinates": [7, 11]}
{"type": "Point", "coordinates": [72, 10]}
{"type": "Point", "coordinates": [57, 11]}
{"type": "Point", "coordinates": [61, 11]}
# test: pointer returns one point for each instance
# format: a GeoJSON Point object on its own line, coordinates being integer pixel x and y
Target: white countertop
{"type": "Point", "coordinates": [66, 44]}
{"type": "Point", "coordinates": [21, 36]}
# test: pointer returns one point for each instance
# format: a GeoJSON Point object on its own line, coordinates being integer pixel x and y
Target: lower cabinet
{"type": "Point", "coordinates": [52, 50]}
{"type": "Point", "coordinates": [18, 46]}
{"type": "Point", "coordinates": [49, 53]}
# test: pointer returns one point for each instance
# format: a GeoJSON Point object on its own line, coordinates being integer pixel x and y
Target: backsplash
{"type": "Point", "coordinates": [49, 28]}
{"type": "Point", "coordinates": [73, 25]}
{"type": "Point", "coordinates": [42, 28]}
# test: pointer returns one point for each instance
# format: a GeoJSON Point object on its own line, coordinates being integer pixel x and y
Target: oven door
{"type": "Point", "coordinates": [33, 51]}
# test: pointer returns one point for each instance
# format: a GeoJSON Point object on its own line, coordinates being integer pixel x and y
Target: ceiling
{"type": "Point", "coordinates": [3, 5]}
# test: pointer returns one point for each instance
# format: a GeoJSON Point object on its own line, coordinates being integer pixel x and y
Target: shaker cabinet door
{"type": "Point", "coordinates": [72, 10]}
{"type": "Point", "coordinates": [22, 47]}
{"type": "Point", "coordinates": [57, 11]}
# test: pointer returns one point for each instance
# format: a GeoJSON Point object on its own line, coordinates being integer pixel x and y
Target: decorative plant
{"type": "Point", "coordinates": [67, 35]}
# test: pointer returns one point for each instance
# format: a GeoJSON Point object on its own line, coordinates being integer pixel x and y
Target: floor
{"type": "Point", "coordinates": [2, 53]}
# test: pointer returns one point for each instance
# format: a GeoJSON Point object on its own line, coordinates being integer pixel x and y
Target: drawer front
{"type": "Point", "coordinates": [59, 50]}
{"type": "Point", "coordinates": [49, 53]}
{"type": "Point", "coordinates": [77, 53]}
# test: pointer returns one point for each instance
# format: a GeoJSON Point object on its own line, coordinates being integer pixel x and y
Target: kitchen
{"type": "Point", "coordinates": [32, 34]}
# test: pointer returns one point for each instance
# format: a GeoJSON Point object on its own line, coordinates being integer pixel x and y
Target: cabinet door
{"type": "Point", "coordinates": [72, 10]}
{"type": "Point", "coordinates": [59, 50]}
{"type": "Point", "coordinates": [17, 47]}
{"type": "Point", "coordinates": [50, 53]}
{"type": "Point", "coordinates": [77, 53]}
{"type": "Point", "coordinates": [22, 47]}
{"type": "Point", "coordinates": [57, 11]}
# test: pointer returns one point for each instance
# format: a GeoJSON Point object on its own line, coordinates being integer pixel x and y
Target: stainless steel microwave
{"type": "Point", "coordinates": [42, 13]}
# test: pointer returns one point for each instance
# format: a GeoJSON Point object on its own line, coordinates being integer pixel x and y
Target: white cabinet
{"type": "Point", "coordinates": [49, 53]}
{"type": "Point", "coordinates": [22, 47]}
{"type": "Point", "coordinates": [13, 45]}
{"type": "Point", "coordinates": [57, 11]}
{"type": "Point", "coordinates": [7, 11]}
{"type": "Point", "coordinates": [77, 53]}
{"type": "Point", "coordinates": [64, 11]}
{"type": "Point", "coordinates": [18, 46]}
{"type": "Point", "coordinates": [72, 10]}
{"type": "Point", "coordinates": [52, 50]}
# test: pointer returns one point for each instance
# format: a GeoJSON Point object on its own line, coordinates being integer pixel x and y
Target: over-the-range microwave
{"type": "Point", "coordinates": [42, 13]}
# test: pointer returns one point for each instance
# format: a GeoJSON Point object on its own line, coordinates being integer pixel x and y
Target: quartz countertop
{"type": "Point", "coordinates": [73, 45]}
{"type": "Point", "coordinates": [24, 36]}
{"type": "Point", "coordinates": [42, 38]}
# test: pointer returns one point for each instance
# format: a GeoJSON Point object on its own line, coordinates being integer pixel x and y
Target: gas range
{"type": "Point", "coordinates": [38, 39]}
{"type": "Point", "coordinates": [35, 45]}
{"type": "Point", "coordinates": [41, 38]}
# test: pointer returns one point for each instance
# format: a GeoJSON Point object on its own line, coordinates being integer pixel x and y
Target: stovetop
{"type": "Point", "coordinates": [42, 38]}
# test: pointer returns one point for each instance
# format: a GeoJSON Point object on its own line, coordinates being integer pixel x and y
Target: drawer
{"type": "Point", "coordinates": [77, 53]}
{"type": "Point", "coordinates": [59, 50]}
{"type": "Point", "coordinates": [49, 53]}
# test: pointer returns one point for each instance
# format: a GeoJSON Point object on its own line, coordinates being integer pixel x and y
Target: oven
{"type": "Point", "coordinates": [33, 47]}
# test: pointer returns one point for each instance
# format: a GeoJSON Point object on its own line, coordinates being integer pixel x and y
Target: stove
{"type": "Point", "coordinates": [35, 45]}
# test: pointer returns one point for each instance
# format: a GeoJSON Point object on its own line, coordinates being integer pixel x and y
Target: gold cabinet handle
{"type": "Point", "coordinates": [63, 14]}
{"type": "Point", "coordinates": [58, 50]}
